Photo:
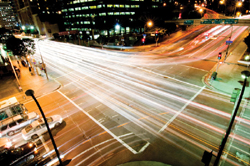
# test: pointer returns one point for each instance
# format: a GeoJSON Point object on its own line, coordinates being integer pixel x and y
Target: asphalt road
{"type": "Point", "coordinates": [119, 107]}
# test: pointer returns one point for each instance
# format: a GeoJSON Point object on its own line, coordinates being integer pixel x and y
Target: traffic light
{"type": "Point", "coordinates": [156, 33]}
{"type": "Point", "coordinates": [5, 47]}
{"type": "Point", "coordinates": [219, 55]}
{"type": "Point", "coordinates": [235, 94]}
{"type": "Point", "coordinates": [143, 40]}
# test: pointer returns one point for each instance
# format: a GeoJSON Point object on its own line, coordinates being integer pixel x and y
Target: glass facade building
{"type": "Point", "coordinates": [106, 17]}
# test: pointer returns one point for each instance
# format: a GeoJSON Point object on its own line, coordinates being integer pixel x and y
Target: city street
{"type": "Point", "coordinates": [124, 106]}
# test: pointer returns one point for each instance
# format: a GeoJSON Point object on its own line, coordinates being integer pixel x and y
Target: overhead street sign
{"type": "Point", "coordinates": [188, 22]}
{"type": "Point", "coordinates": [218, 21]}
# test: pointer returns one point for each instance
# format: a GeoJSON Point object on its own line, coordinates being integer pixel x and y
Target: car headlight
{"type": "Point", "coordinates": [30, 145]}
{"type": "Point", "coordinates": [35, 151]}
{"type": "Point", "coordinates": [8, 145]}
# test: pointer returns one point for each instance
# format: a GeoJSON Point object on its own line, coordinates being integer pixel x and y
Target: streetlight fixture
{"type": "Point", "coordinates": [30, 92]}
{"type": "Point", "coordinates": [244, 74]}
{"type": "Point", "coordinates": [148, 24]}
{"type": "Point", "coordinates": [238, 4]}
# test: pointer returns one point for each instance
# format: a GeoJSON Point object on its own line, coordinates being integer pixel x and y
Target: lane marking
{"type": "Point", "coordinates": [180, 111]}
{"type": "Point", "coordinates": [106, 129]}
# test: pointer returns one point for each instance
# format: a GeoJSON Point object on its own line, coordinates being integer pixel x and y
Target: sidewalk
{"type": "Point", "coordinates": [229, 73]}
{"type": "Point", "coordinates": [40, 84]}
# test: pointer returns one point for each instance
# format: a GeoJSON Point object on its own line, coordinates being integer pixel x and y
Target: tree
{"type": "Point", "coordinates": [20, 47]}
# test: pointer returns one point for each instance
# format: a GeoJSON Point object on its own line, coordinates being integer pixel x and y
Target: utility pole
{"type": "Point", "coordinates": [43, 64]}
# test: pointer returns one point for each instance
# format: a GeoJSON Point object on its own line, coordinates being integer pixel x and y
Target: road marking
{"type": "Point", "coordinates": [180, 111]}
{"type": "Point", "coordinates": [106, 129]}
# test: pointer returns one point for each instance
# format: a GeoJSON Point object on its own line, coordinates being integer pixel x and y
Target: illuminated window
{"type": "Point", "coordinates": [110, 13]}
{"type": "Point", "coordinates": [116, 5]}
{"type": "Point", "coordinates": [122, 13]}
{"type": "Point", "coordinates": [103, 5]}
{"type": "Point", "coordinates": [109, 5]}
{"type": "Point", "coordinates": [47, 8]}
{"type": "Point", "coordinates": [127, 13]}
{"type": "Point", "coordinates": [99, 6]}
{"type": "Point", "coordinates": [30, 0]}
{"type": "Point", "coordinates": [39, 8]}
{"type": "Point", "coordinates": [116, 13]}
{"type": "Point", "coordinates": [77, 22]}
{"type": "Point", "coordinates": [93, 22]}
{"type": "Point", "coordinates": [102, 14]}
{"type": "Point", "coordinates": [65, 23]}
{"type": "Point", "coordinates": [81, 22]}
{"type": "Point", "coordinates": [48, 12]}
{"type": "Point", "coordinates": [86, 22]}
{"type": "Point", "coordinates": [73, 16]}
{"type": "Point", "coordinates": [121, 6]}
{"type": "Point", "coordinates": [127, 6]}
{"type": "Point", "coordinates": [38, 4]}
{"type": "Point", "coordinates": [132, 6]}
{"type": "Point", "coordinates": [71, 9]}
{"type": "Point", "coordinates": [92, 7]}
{"type": "Point", "coordinates": [154, 6]}
{"type": "Point", "coordinates": [77, 8]}
{"type": "Point", "coordinates": [85, 7]}
{"type": "Point", "coordinates": [132, 13]}
{"type": "Point", "coordinates": [87, 15]}
{"type": "Point", "coordinates": [137, 6]}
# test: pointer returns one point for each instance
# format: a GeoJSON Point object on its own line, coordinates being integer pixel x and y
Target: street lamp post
{"type": "Point", "coordinates": [239, 4]}
{"type": "Point", "coordinates": [30, 92]}
{"type": "Point", "coordinates": [43, 64]}
{"type": "Point", "coordinates": [245, 74]}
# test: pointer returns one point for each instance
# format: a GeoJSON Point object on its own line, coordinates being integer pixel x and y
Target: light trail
{"type": "Point", "coordinates": [118, 78]}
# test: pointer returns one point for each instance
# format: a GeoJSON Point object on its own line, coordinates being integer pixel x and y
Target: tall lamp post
{"type": "Point", "coordinates": [30, 92]}
{"type": "Point", "coordinates": [238, 4]}
{"type": "Point", "coordinates": [43, 64]}
{"type": "Point", "coordinates": [245, 74]}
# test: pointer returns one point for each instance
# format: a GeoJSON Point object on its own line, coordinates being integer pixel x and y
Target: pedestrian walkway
{"type": "Point", "coordinates": [9, 86]}
{"type": "Point", "coordinates": [229, 73]}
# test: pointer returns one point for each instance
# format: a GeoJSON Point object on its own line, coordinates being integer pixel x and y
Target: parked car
{"type": "Point", "coordinates": [38, 127]}
{"type": "Point", "coordinates": [13, 125]}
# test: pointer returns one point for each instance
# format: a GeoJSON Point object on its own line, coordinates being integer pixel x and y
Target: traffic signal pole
{"type": "Point", "coordinates": [234, 113]}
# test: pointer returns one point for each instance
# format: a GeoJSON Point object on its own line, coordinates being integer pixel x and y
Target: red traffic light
{"type": "Point", "coordinates": [219, 55]}
{"type": "Point", "coordinates": [156, 31]}
{"type": "Point", "coordinates": [143, 40]}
